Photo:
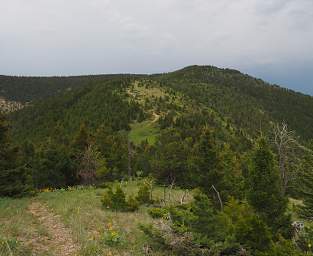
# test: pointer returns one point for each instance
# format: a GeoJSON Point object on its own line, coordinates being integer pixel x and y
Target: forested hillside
{"type": "Point", "coordinates": [250, 103]}
{"type": "Point", "coordinates": [26, 89]}
{"type": "Point", "coordinates": [236, 150]}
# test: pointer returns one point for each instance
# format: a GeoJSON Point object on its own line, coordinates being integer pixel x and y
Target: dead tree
{"type": "Point", "coordinates": [88, 166]}
{"type": "Point", "coordinates": [285, 144]}
{"type": "Point", "coordinates": [182, 199]}
{"type": "Point", "coordinates": [218, 197]}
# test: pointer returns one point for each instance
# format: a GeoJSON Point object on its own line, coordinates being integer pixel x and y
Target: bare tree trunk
{"type": "Point", "coordinates": [285, 144]}
{"type": "Point", "coordinates": [219, 197]}
{"type": "Point", "coordinates": [182, 199]}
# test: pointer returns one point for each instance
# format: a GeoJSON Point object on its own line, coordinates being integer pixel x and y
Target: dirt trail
{"type": "Point", "coordinates": [59, 241]}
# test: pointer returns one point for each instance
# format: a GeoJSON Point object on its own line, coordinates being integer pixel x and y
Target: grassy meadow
{"type": "Point", "coordinates": [144, 131]}
{"type": "Point", "coordinates": [81, 211]}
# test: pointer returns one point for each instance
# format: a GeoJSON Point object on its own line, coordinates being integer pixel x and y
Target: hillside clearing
{"type": "Point", "coordinates": [66, 220]}
{"type": "Point", "coordinates": [146, 130]}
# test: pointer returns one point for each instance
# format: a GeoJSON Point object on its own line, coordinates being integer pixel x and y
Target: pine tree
{"type": "Point", "coordinates": [14, 180]}
{"type": "Point", "coordinates": [81, 140]}
{"type": "Point", "coordinates": [264, 193]}
{"type": "Point", "coordinates": [306, 180]}
{"type": "Point", "coordinates": [210, 167]}
{"type": "Point", "coordinates": [4, 143]}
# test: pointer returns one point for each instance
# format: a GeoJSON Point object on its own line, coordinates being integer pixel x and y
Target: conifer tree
{"type": "Point", "coordinates": [14, 180]}
{"type": "Point", "coordinates": [4, 143]}
{"type": "Point", "coordinates": [264, 192]}
{"type": "Point", "coordinates": [81, 140]}
{"type": "Point", "coordinates": [306, 180]}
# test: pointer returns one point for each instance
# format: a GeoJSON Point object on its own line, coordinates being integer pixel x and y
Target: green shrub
{"type": "Point", "coordinates": [119, 199]}
{"type": "Point", "coordinates": [284, 247]}
{"type": "Point", "coordinates": [305, 240]}
{"type": "Point", "coordinates": [132, 204]}
{"type": "Point", "coordinates": [116, 200]}
{"type": "Point", "coordinates": [107, 198]}
{"type": "Point", "coordinates": [144, 193]}
{"type": "Point", "coordinates": [158, 212]}
{"type": "Point", "coordinates": [112, 238]}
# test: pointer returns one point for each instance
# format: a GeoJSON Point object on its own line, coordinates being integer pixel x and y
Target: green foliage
{"type": "Point", "coordinates": [284, 248]}
{"type": "Point", "coordinates": [198, 217]}
{"type": "Point", "coordinates": [132, 204]}
{"type": "Point", "coordinates": [106, 199]}
{"type": "Point", "coordinates": [305, 240]}
{"type": "Point", "coordinates": [119, 199]}
{"type": "Point", "coordinates": [157, 239]}
{"type": "Point", "coordinates": [81, 139]}
{"type": "Point", "coordinates": [254, 233]}
{"type": "Point", "coordinates": [5, 151]}
{"type": "Point", "coordinates": [15, 180]}
{"type": "Point", "coordinates": [246, 101]}
{"type": "Point", "coordinates": [103, 103]}
{"type": "Point", "coordinates": [54, 167]}
{"type": "Point", "coordinates": [156, 213]}
{"type": "Point", "coordinates": [264, 193]}
{"type": "Point", "coordinates": [204, 221]}
{"type": "Point", "coordinates": [144, 131]}
{"type": "Point", "coordinates": [13, 247]}
{"type": "Point", "coordinates": [113, 149]}
{"type": "Point", "coordinates": [144, 195]}
{"type": "Point", "coordinates": [306, 186]}
{"type": "Point", "coordinates": [116, 200]}
{"type": "Point", "coordinates": [112, 238]}
{"type": "Point", "coordinates": [205, 122]}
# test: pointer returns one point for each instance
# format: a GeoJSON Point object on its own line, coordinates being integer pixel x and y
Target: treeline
{"type": "Point", "coordinates": [27, 89]}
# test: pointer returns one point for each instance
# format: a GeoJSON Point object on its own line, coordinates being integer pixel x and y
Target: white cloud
{"type": "Point", "coordinates": [100, 36]}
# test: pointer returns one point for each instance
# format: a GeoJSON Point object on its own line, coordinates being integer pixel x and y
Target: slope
{"type": "Point", "coordinates": [244, 103]}
{"type": "Point", "coordinates": [251, 104]}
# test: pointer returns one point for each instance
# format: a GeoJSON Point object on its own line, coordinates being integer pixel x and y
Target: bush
{"type": "Point", "coordinates": [116, 200]}
{"type": "Point", "coordinates": [305, 240]}
{"type": "Point", "coordinates": [132, 204]}
{"type": "Point", "coordinates": [162, 237]}
{"type": "Point", "coordinates": [254, 234]}
{"type": "Point", "coordinates": [112, 237]}
{"type": "Point", "coordinates": [282, 248]}
{"type": "Point", "coordinates": [144, 192]}
{"type": "Point", "coordinates": [156, 213]}
{"type": "Point", "coordinates": [107, 198]}
{"type": "Point", "coordinates": [119, 199]}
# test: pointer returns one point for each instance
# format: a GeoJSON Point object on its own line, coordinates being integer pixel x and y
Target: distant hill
{"type": "Point", "coordinates": [234, 100]}
{"type": "Point", "coordinates": [25, 89]}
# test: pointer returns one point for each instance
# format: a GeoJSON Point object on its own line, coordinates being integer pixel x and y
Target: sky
{"type": "Point", "coordinates": [269, 39]}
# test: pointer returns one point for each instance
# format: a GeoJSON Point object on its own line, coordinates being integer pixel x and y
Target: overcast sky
{"type": "Point", "coordinates": [270, 39]}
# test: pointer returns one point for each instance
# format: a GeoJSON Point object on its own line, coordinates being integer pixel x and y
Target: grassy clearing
{"type": "Point", "coordinates": [146, 130]}
{"type": "Point", "coordinates": [81, 211]}
{"type": "Point", "coordinates": [140, 92]}
{"type": "Point", "coordinates": [18, 227]}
